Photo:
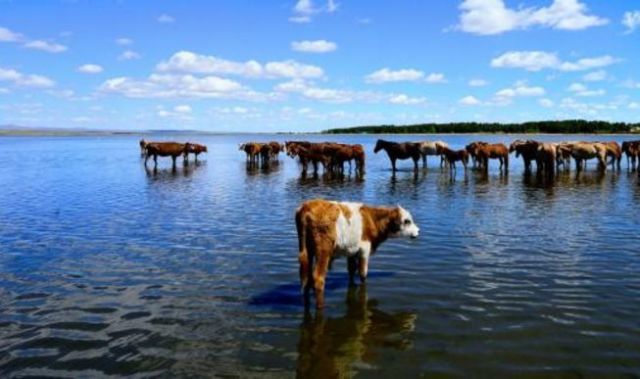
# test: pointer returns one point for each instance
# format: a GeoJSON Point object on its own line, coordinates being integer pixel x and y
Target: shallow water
{"type": "Point", "coordinates": [108, 269]}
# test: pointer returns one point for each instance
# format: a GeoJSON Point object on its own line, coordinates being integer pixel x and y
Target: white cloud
{"type": "Point", "coordinates": [303, 10]}
{"type": "Point", "coordinates": [186, 61]}
{"type": "Point", "coordinates": [435, 77]}
{"type": "Point", "coordinates": [577, 87]}
{"type": "Point", "coordinates": [166, 19]}
{"type": "Point", "coordinates": [386, 75]}
{"type": "Point", "coordinates": [49, 47]}
{"type": "Point", "coordinates": [406, 100]}
{"type": "Point", "coordinates": [546, 103]}
{"type": "Point", "coordinates": [123, 41]}
{"type": "Point", "coordinates": [539, 60]}
{"type": "Point", "coordinates": [128, 55]}
{"type": "Point", "coordinates": [520, 90]}
{"type": "Point", "coordinates": [329, 95]}
{"type": "Point", "coordinates": [488, 17]}
{"type": "Point", "coordinates": [469, 100]}
{"type": "Point", "coordinates": [595, 76]}
{"type": "Point", "coordinates": [180, 86]}
{"type": "Point", "coordinates": [631, 20]}
{"type": "Point", "coordinates": [90, 68]}
{"type": "Point", "coordinates": [630, 83]}
{"type": "Point", "coordinates": [182, 109]}
{"type": "Point", "coordinates": [634, 105]}
{"type": "Point", "coordinates": [7, 35]}
{"type": "Point", "coordinates": [581, 90]}
{"type": "Point", "coordinates": [319, 46]}
{"type": "Point", "coordinates": [478, 82]}
{"type": "Point", "coordinates": [25, 80]}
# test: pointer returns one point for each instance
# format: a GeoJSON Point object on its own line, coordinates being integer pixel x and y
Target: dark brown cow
{"type": "Point", "coordinates": [453, 156]}
{"type": "Point", "coordinates": [527, 149]}
{"type": "Point", "coordinates": [400, 151]}
{"type": "Point", "coordinates": [164, 149]}
{"type": "Point", "coordinates": [631, 150]}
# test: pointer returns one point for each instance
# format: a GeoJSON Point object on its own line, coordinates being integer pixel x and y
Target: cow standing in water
{"type": "Point", "coordinates": [164, 149]}
{"type": "Point", "coordinates": [195, 149]}
{"type": "Point", "coordinates": [401, 151]}
{"type": "Point", "coordinates": [143, 147]}
{"type": "Point", "coordinates": [329, 229]}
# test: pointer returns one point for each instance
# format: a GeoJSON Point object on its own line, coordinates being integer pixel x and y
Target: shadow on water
{"type": "Point", "coordinates": [337, 347]}
{"type": "Point", "coordinates": [290, 295]}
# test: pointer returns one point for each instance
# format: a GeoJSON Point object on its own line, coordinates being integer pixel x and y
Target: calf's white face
{"type": "Point", "coordinates": [408, 228]}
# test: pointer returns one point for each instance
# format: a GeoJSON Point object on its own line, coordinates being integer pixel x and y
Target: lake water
{"type": "Point", "coordinates": [108, 269]}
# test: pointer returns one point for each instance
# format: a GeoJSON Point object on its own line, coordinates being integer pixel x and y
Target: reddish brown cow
{"type": "Point", "coordinates": [471, 149]}
{"type": "Point", "coordinates": [252, 150]}
{"type": "Point", "coordinates": [164, 149]}
{"type": "Point", "coordinates": [195, 149]}
{"type": "Point", "coordinates": [492, 151]}
{"type": "Point", "coordinates": [527, 149]}
{"type": "Point", "coordinates": [614, 152]}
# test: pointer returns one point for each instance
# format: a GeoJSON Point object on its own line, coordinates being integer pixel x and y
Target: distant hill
{"type": "Point", "coordinates": [559, 127]}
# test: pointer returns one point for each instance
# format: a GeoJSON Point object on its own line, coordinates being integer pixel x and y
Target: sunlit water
{"type": "Point", "coordinates": [108, 269]}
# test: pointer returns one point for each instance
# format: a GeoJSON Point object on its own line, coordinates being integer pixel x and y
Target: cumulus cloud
{"type": "Point", "coordinates": [581, 90]}
{"type": "Point", "coordinates": [520, 90]}
{"type": "Point", "coordinates": [25, 80]}
{"type": "Point", "coordinates": [490, 17]}
{"type": "Point", "coordinates": [310, 91]}
{"type": "Point", "coordinates": [90, 68]}
{"type": "Point", "coordinates": [540, 60]}
{"type": "Point", "coordinates": [7, 35]}
{"type": "Point", "coordinates": [180, 86]}
{"type": "Point", "coordinates": [166, 19]}
{"type": "Point", "coordinates": [631, 20]}
{"type": "Point", "coordinates": [304, 10]}
{"type": "Point", "coordinates": [186, 61]}
{"type": "Point", "coordinates": [406, 100]}
{"type": "Point", "coordinates": [469, 100]}
{"type": "Point", "coordinates": [128, 55]}
{"type": "Point", "coordinates": [387, 75]}
{"type": "Point", "coordinates": [435, 77]}
{"type": "Point", "coordinates": [49, 47]}
{"type": "Point", "coordinates": [319, 46]}
{"type": "Point", "coordinates": [595, 76]}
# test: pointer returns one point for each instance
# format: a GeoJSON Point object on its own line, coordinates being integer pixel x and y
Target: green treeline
{"type": "Point", "coordinates": [560, 127]}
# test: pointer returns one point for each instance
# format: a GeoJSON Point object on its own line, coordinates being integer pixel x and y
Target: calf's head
{"type": "Point", "coordinates": [403, 224]}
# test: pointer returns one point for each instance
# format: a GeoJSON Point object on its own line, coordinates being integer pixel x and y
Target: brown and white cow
{"type": "Point", "coordinates": [330, 229]}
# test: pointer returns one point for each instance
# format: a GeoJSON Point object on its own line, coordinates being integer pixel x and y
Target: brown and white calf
{"type": "Point", "coordinates": [330, 229]}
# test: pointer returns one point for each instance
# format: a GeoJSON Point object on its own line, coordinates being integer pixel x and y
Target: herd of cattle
{"type": "Point", "coordinates": [548, 156]}
{"type": "Point", "coordinates": [332, 156]}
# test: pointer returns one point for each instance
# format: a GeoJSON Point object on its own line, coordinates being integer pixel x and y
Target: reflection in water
{"type": "Point", "coordinates": [331, 347]}
{"type": "Point", "coordinates": [174, 172]}
{"type": "Point", "coordinates": [255, 168]}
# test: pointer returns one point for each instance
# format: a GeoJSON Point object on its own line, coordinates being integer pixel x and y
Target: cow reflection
{"type": "Point", "coordinates": [173, 172]}
{"type": "Point", "coordinates": [331, 347]}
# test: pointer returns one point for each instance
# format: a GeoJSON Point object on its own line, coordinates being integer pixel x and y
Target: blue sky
{"type": "Point", "coordinates": [309, 65]}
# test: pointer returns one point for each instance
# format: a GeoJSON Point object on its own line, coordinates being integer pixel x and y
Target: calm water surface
{"type": "Point", "coordinates": [108, 269]}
